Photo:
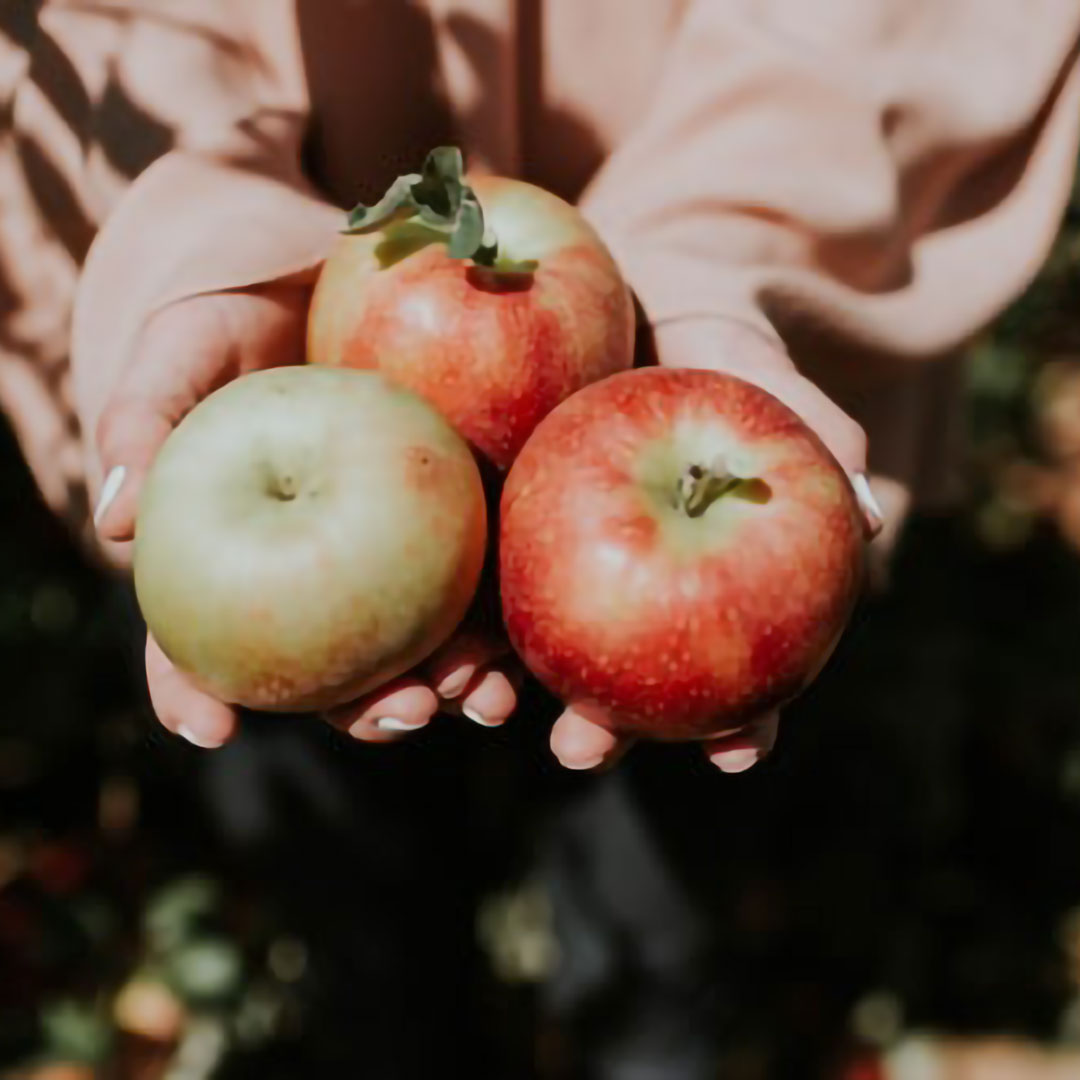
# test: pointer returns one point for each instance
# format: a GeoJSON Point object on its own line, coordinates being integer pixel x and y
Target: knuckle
{"type": "Point", "coordinates": [176, 318]}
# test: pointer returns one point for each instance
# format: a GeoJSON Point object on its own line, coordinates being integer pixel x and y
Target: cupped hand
{"type": "Point", "coordinates": [582, 737]}
{"type": "Point", "coordinates": [473, 674]}
{"type": "Point", "coordinates": [185, 352]}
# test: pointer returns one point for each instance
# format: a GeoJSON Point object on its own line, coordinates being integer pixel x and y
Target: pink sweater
{"type": "Point", "coordinates": [871, 179]}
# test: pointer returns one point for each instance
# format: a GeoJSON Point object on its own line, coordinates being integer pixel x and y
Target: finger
{"type": "Point", "coordinates": [843, 436]}
{"type": "Point", "coordinates": [744, 748]}
{"type": "Point", "coordinates": [580, 741]}
{"type": "Point", "coordinates": [134, 439]}
{"type": "Point", "coordinates": [185, 352]}
{"type": "Point", "coordinates": [180, 356]}
{"type": "Point", "coordinates": [394, 710]}
{"type": "Point", "coordinates": [749, 352]}
{"type": "Point", "coordinates": [453, 667]}
{"type": "Point", "coordinates": [182, 707]}
{"type": "Point", "coordinates": [493, 698]}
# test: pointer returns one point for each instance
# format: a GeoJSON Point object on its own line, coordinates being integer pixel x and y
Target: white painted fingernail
{"type": "Point", "coordinates": [109, 490]}
{"type": "Point", "coordinates": [583, 766]}
{"type": "Point", "coordinates": [392, 723]}
{"type": "Point", "coordinates": [736, 761]}
{"type": "Point", "coordinates": [204, 744]}
{"type": "Point", "coordinates": [867, 500]}
{"type": "Point", "coordinates": [477, 717]}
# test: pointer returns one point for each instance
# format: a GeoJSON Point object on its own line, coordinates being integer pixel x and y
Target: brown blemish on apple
{"type": "Point", "coordinates": [426, 470]}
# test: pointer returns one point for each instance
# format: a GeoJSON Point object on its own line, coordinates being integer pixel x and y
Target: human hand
{"type": "Point", "coordinates": [581, 737]}
{"type": "Point", "coordinates": [185, 352]}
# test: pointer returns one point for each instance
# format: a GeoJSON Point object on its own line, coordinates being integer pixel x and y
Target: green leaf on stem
{"type": "Point", "coordinates": [440, 190]}
{"type": "Point", "coordinates": [468, 235]}
{"type": "Point", "coordinates": [396, 203]}
{"type": "Point", "coordinates": [435, 205]}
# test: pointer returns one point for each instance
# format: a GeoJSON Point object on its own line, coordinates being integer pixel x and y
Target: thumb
{"type": "Point", "coordinates": [151, 397]}
{"type": "Point", "coordinates": [184, 353]}
{"type": "Point", "coordinates": [746, 351]}
{"type": "Point", "coordinates": [130, 434]}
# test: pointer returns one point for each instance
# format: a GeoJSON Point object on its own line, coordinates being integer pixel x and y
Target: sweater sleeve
{"type": "Point", "coordinates": [225, 206]}
{"type": "Point", "coordinates": [888, 173]}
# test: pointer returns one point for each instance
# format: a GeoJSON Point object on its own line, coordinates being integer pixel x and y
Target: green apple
{"type": "Point", "coordinates": [305, 535]}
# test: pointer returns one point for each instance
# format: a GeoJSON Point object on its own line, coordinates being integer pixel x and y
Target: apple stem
{"type": "Point", "coordinates": [700, 486]}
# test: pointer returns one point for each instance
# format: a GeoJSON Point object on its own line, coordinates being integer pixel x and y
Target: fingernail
{"type": "Point", "coordinates": [868, 502]}
{"type": "Point", "coordinates": [392, 723]}
{"type": "Point", "coordinates": [477, 717]}
{"type": "Point", "coordinates": [736, 761]}
{"type": "Point", "coordinates": [454, 684]}
{"type": "Point", "coordinates": [583, 766]}
{"type": "Point", "coordinates": [113, 483]}
{"type": "Point", "coordinates": [196, 740]}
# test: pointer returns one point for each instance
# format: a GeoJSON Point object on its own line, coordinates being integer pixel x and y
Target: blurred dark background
{"type": "Point", "coordinates": [903, 880]}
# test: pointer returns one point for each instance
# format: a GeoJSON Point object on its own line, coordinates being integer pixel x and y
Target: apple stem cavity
{"type": "Point", "coordinates": [439, 198]}
{"type": "Point", "coordinates": [699, 486]}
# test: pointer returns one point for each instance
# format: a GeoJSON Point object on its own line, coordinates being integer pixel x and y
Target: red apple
{"type": "Point", "coordinates": [306, 534]}
{"type": "Point", "coordinates": [494, 306]}
{"type": "Point", "coordinates": [679, 549]}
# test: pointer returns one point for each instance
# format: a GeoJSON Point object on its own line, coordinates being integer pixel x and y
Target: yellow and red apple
{"type": "Point", "coordinates": [305, 535]}
{"type": "Point", "coordinates": [493, 299]}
